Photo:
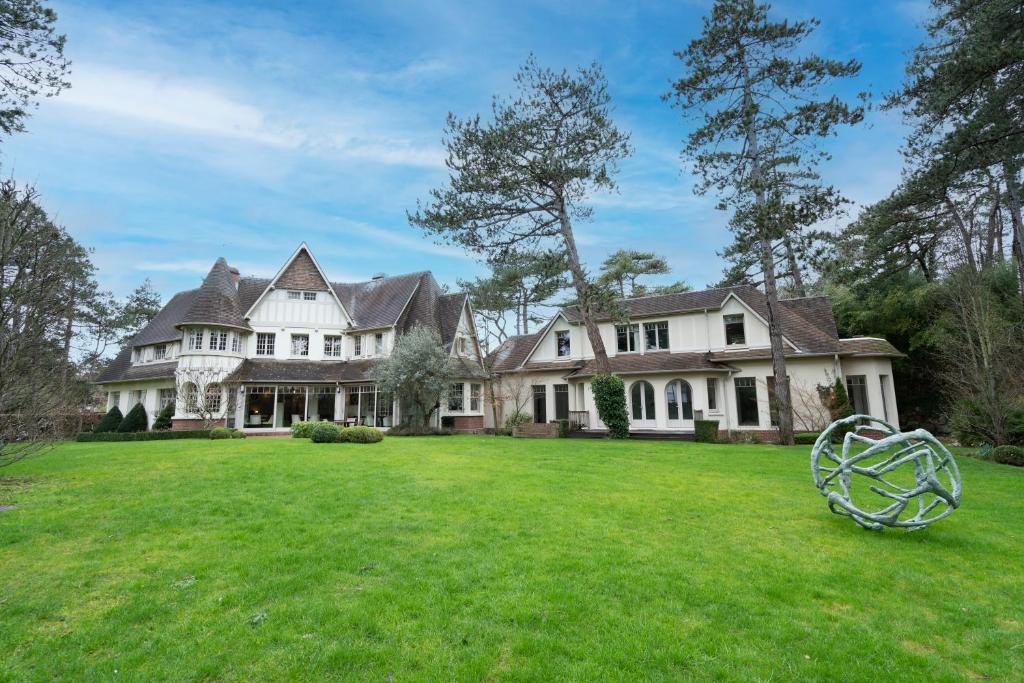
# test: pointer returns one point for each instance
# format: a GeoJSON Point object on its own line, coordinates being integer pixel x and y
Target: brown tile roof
{"type": "Point", "coordinates": [662, 361]}
{"type": "Point", "coordinates": [163, 327]}
{"type": "Point", "coordinates": [511, 353]}
{"type": "Point", "coordinates": [867, 346]}
{"type": "Point", "coordinates": [306, 371]}
{"type": "Point", "coordinates": [216, 301]}
{"type": "Point", "coordinates": [120, 369]}
{"type": "Point", "coordinates": [378, 303]}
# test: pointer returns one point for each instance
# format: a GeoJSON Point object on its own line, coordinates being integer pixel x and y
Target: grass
{"type": "Point", "coordinates": [467, 558]}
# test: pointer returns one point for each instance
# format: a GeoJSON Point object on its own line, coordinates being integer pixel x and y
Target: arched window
{"type": "Point", "coordinates": [679, 397]}
{"type": "Point", "coordinates": [213, 398]}
{"type": "Point", "coordinates": [642, 400]}
{"type": "Point", "coordinates": [190, 396]}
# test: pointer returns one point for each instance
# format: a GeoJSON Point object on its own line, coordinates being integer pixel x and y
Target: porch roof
{"type": "Point", "coordinates": [302, 371]}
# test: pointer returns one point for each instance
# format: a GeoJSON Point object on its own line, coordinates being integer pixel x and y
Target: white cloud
{"type": "Point", "coordinates": [182, 266]}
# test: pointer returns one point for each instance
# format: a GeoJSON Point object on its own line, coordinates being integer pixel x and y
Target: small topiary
{"type": "Point", "coordinates": [135, 420]}
{"type": "Point", "coordinates": [1009, 455]}
{"type": "Point", "coordinates": [325, 432]}
{"type": "Point", "coordinates": [110, 421]}
{"type": "Point", "coordinates": [221, 433]}
{"type": "Point", "coordinates": [163, 418]}
{"type": "Point", "coordinates": [360, 434]}
{"type": "Point", "coordinates": [610, 399]}
{"type": "Point", "coordinates": [237, 434]}
{"type": "Point", "coordinates": [705, 431]}
{"type": "Point", "coordinates": [303, 430]}
{"type": "Point", "coordinates": [563, 428]}
{"type": "Point", "coordinates": [805, 438]}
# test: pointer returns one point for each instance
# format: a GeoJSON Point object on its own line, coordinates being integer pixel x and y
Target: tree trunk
{"type": "Point", "coordinates": [794, 268]}
{"type": "Point", "coordinates": [1013, 196]}
{"type": "Point", "coordinates": [782, 395]}
{"type": "Point", "coordinates": [965, 234]}
{"type": "Point", "coordinates": [579, 281]}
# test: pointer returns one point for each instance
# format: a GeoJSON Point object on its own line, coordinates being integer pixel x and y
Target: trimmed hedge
{"type": "Point", "coordinates": [805, 438]}
{"type": "Point", "coordinates": [144, 436]}
{"type": "Point", "coordinates": [1009, 455]}
{"type": "Point", "coordinates": [109, 422]}
{"type": "Point", "coordinates": [135, 420]}
{"type": "Point", "coordinates": [163, 418]}
{"type": "Point", "coordinates": [226, 433]}
{"type": "Point", "coordinates": [563, 428]}
{"type": "Point", "coordinates": [610, 399]}
{"type": "Point", "coordinates": [705, 431]}
{"type": "Point", "coordinates": [360, 434]}
{"type": "Point", "coordinates": [325, 432]}
{"type": "Point", "coordinates": [304, 430]}
{"type": "Point", "coordinates": [416, 430]}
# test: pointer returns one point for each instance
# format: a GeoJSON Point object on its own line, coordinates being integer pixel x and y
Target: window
{"type": "Point", "coordinates": [265, 343]}
{"type": "Point", "coordinates": [136, 396]}
{"type": "Point", "coordinates": [160, 352]}
{"type": "Point", "coordinates": [332, 346]}
{"type": "Point", "coordinates": [191, 395]}
{"type": "Point", "coordinates": [883, 385]}
{"type": "Point", "coordinates": [358, 342]}
{"type": "Point", "coordinates": [165, 398]}
{"type": "Point", "coordinates": [562, 342]}
{"type": "Point", "coordinates": [773, 402]}
{"type": "Point", "coordinates": [561, 401]}
{"type": "Point", "coordinates": [656, 336]}
{"type": "Point", "coordinates": [474, 397]}
{"type": "Point", "coordinates": [642, 399]}
{"type": "Point", "coordinates": [455, 398]}
{"type": "Point", "coordinates": [378, 343]}
{"type": "Point", "coordinates": [195, 340]}
{"type": "Point", "coordinates": [460, 346]}
{"type": "Point", "coordinates": [236, 342]}
{"type": "Point", "coordinates": [300, 344]}
{"type": "Point", "coordinates": [734, 333]}
{"type": "Point", "coordinates": [857, 388]}
{"type": "Point", "coordinates": [680, 400]}
{"type": "Point", "coordinates": [626, 337]}
{"type": "Point", "coordinates": [136, 354]}
{"type": "Point", "coordinates": [213, 398]}
{"type": "Point", "coordinates": [309, 296]}
{"type": "Point", "coordinates": [712, 393]}
{"type": "Point", "coordinates": [746, 401]}
{"type": "Point", "coordinates": [540, 403]}
{"type": "Point", "coordinates": [114, 398]}
{"type": "Point", "coordinates": [294, 296]}
{"type": "Point", "coordinates": [218, 340]}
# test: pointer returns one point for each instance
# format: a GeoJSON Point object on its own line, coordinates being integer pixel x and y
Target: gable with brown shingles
{"type": "Point", "coordinates": [302, 273]}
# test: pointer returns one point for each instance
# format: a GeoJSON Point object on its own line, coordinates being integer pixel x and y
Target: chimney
{"type": "Point", "coordinates": [234, 276]}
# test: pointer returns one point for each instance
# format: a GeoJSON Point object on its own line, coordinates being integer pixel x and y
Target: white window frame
{"type": "Point", "coordinates": [733, 318]}
{"type": "Point", "coordinates": [236, 342]}
{"type": "Point", "coordinates": [165, 397]}
{"type": "Point", "coordinates": [632, 334]}
{"type": "Point", "coordinates": [378, 344]}
{"type": "Point", "coordinates": [160, 352]}
{"type": "Point", "coordinates": [303, 340]}
{"type": "Point", "coordinates": [475, 391]}
{"type": "Point", "coordinates": [309, 296]}
{"type": "Point", "coordinates": [567, 336]}
{"type": "Point", "coordinates": [660, 327]}
{"type": "Point", "coordinates": [268, 340]}
{"type": "Point", "coordinates": [195, 339]}
{"type": "Point", "coordinates": [218, 340]}
{"type": "Point", "coordinates": [114, 399]}
{"type": "Point", "coordinates": [460, 394]}
{"type": "Point", "coordinates": [332, 345]}
{"type": "Point", "coordinates": [294, 295]}
{"type": "Point", "coordinates": [357, 345]}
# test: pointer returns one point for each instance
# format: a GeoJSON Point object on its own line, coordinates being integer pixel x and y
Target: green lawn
{"type": "Point", "coordinates": [468, 558]}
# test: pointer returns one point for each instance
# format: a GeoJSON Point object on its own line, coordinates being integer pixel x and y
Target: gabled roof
{"type": "Point", "coordinates": [216, 301]}
{"type": "Point", "coordinates": [378, 303]}
{"type": "Point", "coordinates": [512, 352]}
{"type": "Point", "coordinates": [300, 271]}
{"type": "Point", "coordinates": [164, 326]}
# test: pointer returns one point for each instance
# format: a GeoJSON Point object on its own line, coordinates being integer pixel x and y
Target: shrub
{"type": "Point", "coordinates": [610, 399]}
{"type": "Point", "coordinates": [973, 426]}
{"type": "Point", "coordinates": [417, 430]}
{"type": "Point", "coordinates": [110, 421]}
{"type": "Point", "coordinates": [221, 433]}
{"type": "Point", "coordinates": [237, 434]}
{"type": "Point", "coordinates": [705, 430]}
{"type": "Point", "coordinates": [515, 419]}
{"type": "Point", "coordinates": [134, 421]}
{"type": "Point", "coordinates": [805, 438]}
{"type": "Point", "coordinates": [145, 436]}
{"type": "Point", "coordinates": [1009, 455]}
{"type": "Point", "coordinates": [563, 428]}
{"type": "Point", "coordinates": [360, 434]}
{"type": "Point", "coordinates": [163, 418]}
{"type": "Point", "coordinates": [325, 432]}
{"type": "Point", "coordinates": [303, 430]}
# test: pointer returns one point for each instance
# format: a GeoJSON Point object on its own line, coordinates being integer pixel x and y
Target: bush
{"type": "Point", "coordinates": [145, 436]}
{"type": "Point", "coordinates": [805, 438]}
{"type": "Point", "coordinates": [110, 421]}
{"type": "Point", "coordinates": [237, 434]}
{"type": "Point", "coordinates": [705, 431]}
{"type": "Point", "coordinates": [135, 420]}
{"type": "Point", "coordinates": [325, 432]}
{"type": "Point", "coordinates": [973, 426]}
{"type": "Point", "coordinates": [221, 433]}
{"type": "Point", "coordinates": [515, 419]}
{"type": "Point", "coordinates": [610, 399]}
{"type": "Point", "coordinates": [163, 418]}
{"type": "Point", "coordinates": [304, 430]}
{"type": "Point", "coordinates": [360, 434]}
{"type": "Point", "coordinates": [563, 428]}
{"type": "Point", "coordinates": [1009, 455]}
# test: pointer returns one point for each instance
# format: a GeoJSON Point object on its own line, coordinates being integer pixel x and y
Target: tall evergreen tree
{"type": "Point", "coordinates": [760, 113]}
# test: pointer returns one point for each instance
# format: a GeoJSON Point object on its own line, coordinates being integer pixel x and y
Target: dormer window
{"type": "Point", "coordinates": [656, 336]}
{"type": "Point", "coordinates": [735, 335]}
{"type": "Point", "coordinates": [460, 346]}
{"type": "Point", "coordinates": [195, 340]}
{"type": "Point", "coordinates": [562, 342]}
{"type": "Point", "coordinates": [358, 345]}
{"type": "Point", "coordinates": [626, 337]}
{"type": "Point", "coordinates": [309, 296]}
{"type": "Point", "coordinates": [294, 295]}
{"type": "Point", "coordinates": [160, 352]}
{"type": "Point", "coordinates": [378, 343]}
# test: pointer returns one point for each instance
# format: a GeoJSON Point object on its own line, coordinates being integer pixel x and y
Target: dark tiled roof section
{"type": "Point", "coordinates": [511, 353]}
{"type": "Point", "coordinates": [634, 364]}
{"type": "Point", "coordinates": [301, 273]}
{"type": "Point", "coordinates": [216, 301]}
{"type": "Point", "coordinates": [867, 346]}
{"type": "Point", "coordinates": [268, 370]}
{"type": "Point", "coordinates": [665, 304]}
{"type": "Point", "coordinates": [817, 310]}
{"type": "Point", "coordinates": [449, 312]}
{"type": "Point", "coordinates": [121, 370]}
{"type": "Point", "coordinates": [250, 289]}
{"type": "Point", "coordinates": [163, 327]}
{"type": "Point", "coordinates": [466, 368]}
{"type": "Point", "coordinates": [378, 303]}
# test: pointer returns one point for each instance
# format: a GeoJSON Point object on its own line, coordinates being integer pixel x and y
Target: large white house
{"type": "Point", "coordinates": [697, 354]}
{"type": "Point", "coordinates": [261, 354]}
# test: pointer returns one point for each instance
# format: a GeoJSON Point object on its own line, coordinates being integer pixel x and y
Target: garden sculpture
{"type": "Point", "coordinates": [900, 479]}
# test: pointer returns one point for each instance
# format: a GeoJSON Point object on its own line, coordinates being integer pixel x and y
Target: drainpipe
{"type": "Point", "coordinates": [725, 405]}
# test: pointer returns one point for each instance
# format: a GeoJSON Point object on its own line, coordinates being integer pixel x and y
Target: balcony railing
{"type": "Point", "coordinates": [579, 419]}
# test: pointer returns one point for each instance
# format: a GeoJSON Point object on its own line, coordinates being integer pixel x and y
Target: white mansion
{"type": "Point", "coordinates": [265, 353]}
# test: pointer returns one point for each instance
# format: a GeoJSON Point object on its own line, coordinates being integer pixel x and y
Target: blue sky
{"type": "Point", "coordinates": [194, 130]}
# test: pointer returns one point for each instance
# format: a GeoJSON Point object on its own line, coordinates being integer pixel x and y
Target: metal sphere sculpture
{"type": "Point", "coordinates": [901, 479]}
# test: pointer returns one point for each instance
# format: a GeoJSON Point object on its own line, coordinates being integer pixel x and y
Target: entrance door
{"type": "Point", "coordinates": [561, 401]}
{"type": "Point", "coordinates": [679, 398]}
{"type": "Point", "coordinates": [642, 410]}
{"type": "Point", "coordinates": [540, 403]}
